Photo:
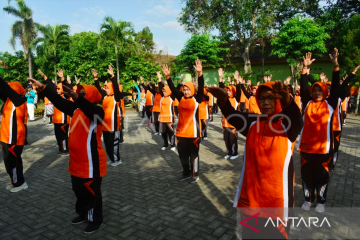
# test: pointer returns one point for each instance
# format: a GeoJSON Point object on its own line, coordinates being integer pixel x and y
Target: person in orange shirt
{"type": "Point", "coordinates": [230, 134]}
{"type": "Point", "coordinates": [167, 116]}
{"type": "Point", "coordinates": [188, 132]}
{"type": "Point", "coordinates": [316, 140]}
{"type": "Point", "coordinates": [60, 119]}
{"type": "Point", "coordinates": [204, 115]}
{"type": "Point", "coordinates": [156, 91]}
{"type": "Point", "coordinates": [266, 183]}
{"type": "Point", "coordinates": [49, 110]}
{"type": "Point", "coordinates": [253, 105]}
{"type": "Point", "coordinates": [149, 100]}
{"type": "Point", "coordinates": [87, 164]}
{"type": "Point", "coordinates": [12, 132]}
{"type": "Point", "coordinates": [111, 123]}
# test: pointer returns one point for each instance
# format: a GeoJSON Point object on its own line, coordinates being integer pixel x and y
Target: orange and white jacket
{"type": "Point", "coordinates": [317, 134]}
{"type": "Point", "coordinates": [189, 123]}
{"type": "Point", "coordinates": [60, 117]}
{"type": "Point", "coordinates": [167, 114]}
{"type": "Point", "coordinates": [13, 113]}
{"type": "Point", "coordinates": [87, 157]}
{"type": "Point", "coordinates": [266, 179]}
{"type": "Point", "coordinates": [156, 107]}
{"type": "Point", "coordinates": [204, 108]}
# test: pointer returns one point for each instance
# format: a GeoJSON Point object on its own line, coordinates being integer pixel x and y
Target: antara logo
{"type": "Point", "coordinates": [242, 222]}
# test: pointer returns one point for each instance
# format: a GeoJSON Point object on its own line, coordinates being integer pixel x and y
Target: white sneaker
{"type": "Point", "coordinates": [9, 186]}
{"type": "Point", "coordinates": [205, 138]}
{"type": "Point", "coordinates": [320, 207]}
{"type": "Point", "coordinates": [173, 148]}
{"type": "Point", "coordinates": [234, 157]}
{"type": "Point", "coordinates": [163, 148]}
{"type": "Point", "coordinates": [306, 206]}
{"type": "Point", "coordinates": [114, 164]}
{"type": "Point", "coordinates": [156, 133]}
{"type": "Point", "coordinates": [19, 188]}
{"type": "Point", "coordinates": [227, 157]}
{"type": "Point", "coordinates": [109, 162]}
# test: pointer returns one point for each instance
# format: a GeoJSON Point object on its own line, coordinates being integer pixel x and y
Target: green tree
{"type": "Point", "coordinates": [350, 45]}
{"type": "Point", "coordinates": [120, 33]}
{"type": "Point", "coordinates": [203, 47]}
{"type": "Point", "coordinates": [84, 54]}
{"type": "Point", "coordinates": [15, 67]}
{"type": "Point", "coordinates": [241, 22]}
{"type": "Point", "coordinates": [139, 65]}
{"type": "Point", "coordinates": [53, 38]}
{"type": "Point", "coordinates": [145, 40]}
{"type": "Point", "coordinates": [297, 37]}
{"type": "Point", "coordinates": [23, 29]}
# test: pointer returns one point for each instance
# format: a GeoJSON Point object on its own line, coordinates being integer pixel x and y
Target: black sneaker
{"type": "Point", "coordinates": [78, 220]}
{"type": "Point", "coordinates": [193, 179]}
{"type": "Point", "coordinates": [182, 178]}
{"type": "Point", "coordinates": [92, 227]}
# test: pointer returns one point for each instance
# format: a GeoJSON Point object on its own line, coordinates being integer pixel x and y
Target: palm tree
{"type": "Point", "coordinates": [53, 37]}
{"type": "Point", "coordinates": [23, 29]}
{"type": "Point", "coordinates": [119, 33]}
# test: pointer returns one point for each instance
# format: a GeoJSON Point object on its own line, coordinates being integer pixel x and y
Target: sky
{"type": "Point", "coordinates": [87, 15]}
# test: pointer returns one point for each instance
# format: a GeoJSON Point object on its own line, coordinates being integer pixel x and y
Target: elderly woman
{"type": "Point", "coordinates": [267, 174]}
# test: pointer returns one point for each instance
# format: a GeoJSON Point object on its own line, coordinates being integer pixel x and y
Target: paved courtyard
{"type": "Point", "coordinates": [142, 198]}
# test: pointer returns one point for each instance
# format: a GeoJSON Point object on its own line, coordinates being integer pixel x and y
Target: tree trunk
{"type": "Point", "coordinates": [117, 65]}
{"type": "Point", "coordinates": [293, 75]}
{"type": "Point", "coordinates": [246, 58]}
{"type": "Point", "coordinates": [30, 64]}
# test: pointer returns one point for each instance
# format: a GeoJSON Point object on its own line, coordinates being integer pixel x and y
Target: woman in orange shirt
{"type": "Point", "coordinates": [316, 139]}
{"type": "Point", "coordinates": [188, 127]}
{"type": "Point", "coordinates": [12, 132]}
{"type": "Point", "coordinates": [266, 182]}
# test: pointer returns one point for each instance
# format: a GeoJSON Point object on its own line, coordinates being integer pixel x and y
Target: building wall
{"type": "Point", "coordinates": [279, 70]}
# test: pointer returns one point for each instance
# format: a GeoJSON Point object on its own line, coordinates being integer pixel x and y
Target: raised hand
{"type": "Point", "coordinates": [322, 76]}
{"type": "Point", "coordinates": [307, 61]}
{"type": "Point", "coordinates": [281, 92]}
{"type": "Point", "coordinates": [42, 74]}
{"type": "Point", "coordinates": [35, 82]}
{"type": "Point", "coordinates": [269, 78]}
{"type": "Point", "coordinates": [111, 71]}
{"type": "Point", "coordinates": [77, 80]}
{"type": "Point", "coordinates": [198, 67]}
{"type": "Point", "coordinates": [166, 70]}
{"type": "Point", "coordinates": [258, 83]}
{"type": "Point", "coordinates": [220, 72]}
{"type": "Point", "coordinates": [69, 92]}
{"type": "Point", "coordinates": [182, 77]}
{"type": "Point", "coordinates": [241, 80]}
{"type": "Point", "coordinates": [345, 77]}
{"type": "Point", "coordinates": [158, 74]}
{"type": "Point", "coordinates": [229, 79]}
{"type": "Point", "coordinates": [60, 73]}
{"type": "Point", "coordinates": [152, 80]}
{"type": "Point", "coordinates": [334, 58]}
{"type": "Point", "coordinates": [236, 76]}
{"type": "Point", "coordinates": [355, 70]}
{"type": "Point", "coordinates": [68, 79]}
{"type": "Point", "coordinates": [249, 82]}
{"type": "Point", "coordinates": [94, 72]}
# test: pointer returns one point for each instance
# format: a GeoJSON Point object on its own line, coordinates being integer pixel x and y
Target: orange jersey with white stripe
{"type": "Point", "coordinates": [156, 107]}
{"type": "Point", "coordinates": [149, 99]}
{"type": "Point", "coordinates": [111, 120]}
{"type": "Point", "coordinates": [235, 104]}
{"type": "Point", "coordinates": [316, 135]}
{"type": "Point", "coordinates": [189, 121]}
{"type": "Point", "coordinates": [12, 123]}
{"type": "Point", "coordinates": [166, 110]}
{"type": "Point", "coordinates": [266, 171]}
{"type": "Point", "coordinates": [60, 117]}
{"type": "Point", "coordinates": [203, 110]}
{"type": "Point", "coordinates": [176, 102]}
{"type": "Point", "coordinates": [87, 157]}
{"type": "Point", "coordinates": [344, 104]}
{"type": "Point", "coordinates": [297, 100]}
{"type": "Point", "coordinates": [253, 106]}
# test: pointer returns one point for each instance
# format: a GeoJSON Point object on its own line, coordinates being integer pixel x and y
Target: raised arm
{"type": "Point", "coordinates": [176, 92]}
{"type": "Point", "coordinates": [200, 93]}
{"type": "Point", "coordinates": [161, 85]}
{"type": "Point", "coordinates": [304, 90]}
{"type": "Point", "coordinates": [8, 92]}
{"type": "Point", "coordinates": [97, 83]}
{"type": "Point", "coordinates": [335, 82]}
{"type": "Point", "coordinates": [91, 111]}
{"type": "Point", "coordinates": [117, 94]}
{"type": "Point", "coordinates": [293, 121]}
{"type": "Point", "coordinates": [246, 93]}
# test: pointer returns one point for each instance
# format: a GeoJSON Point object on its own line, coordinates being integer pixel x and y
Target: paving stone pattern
{"type": "Point", "coordinates": [142, 198]}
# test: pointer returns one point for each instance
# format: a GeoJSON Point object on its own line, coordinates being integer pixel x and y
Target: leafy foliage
{"type": "Point", "coordinates": [297, 37]}
{"type": "Point", "coordinates": [203, 47]}
{"type": "Point", "coordinates": [145, 40]}
{"type": "Point", "coordinates": [15, 67]}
